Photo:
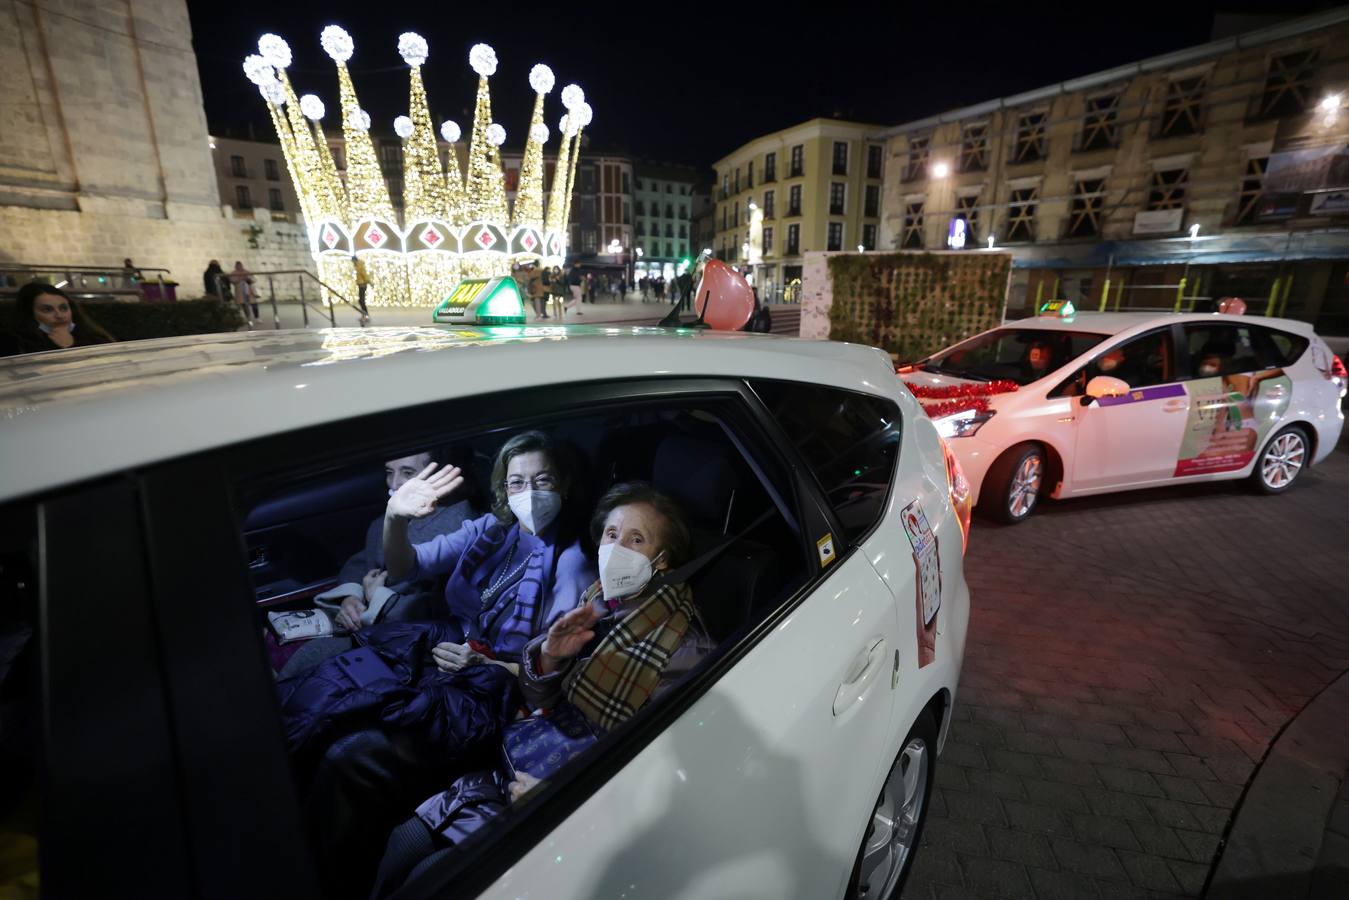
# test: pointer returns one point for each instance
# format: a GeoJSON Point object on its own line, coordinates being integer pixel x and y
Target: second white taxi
{"type": "Point", "coordinates": [1085, 403]}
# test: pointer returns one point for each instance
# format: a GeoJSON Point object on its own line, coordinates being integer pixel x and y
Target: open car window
{"type": "Point", "coordinates": [1022, 355]}
{"type": "Point", "coordinates": [310, 527]}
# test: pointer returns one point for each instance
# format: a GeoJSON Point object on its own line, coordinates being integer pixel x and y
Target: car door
{"type": "Point", "coordinates": [763, 786]}
{"type": "Point", "coordinates": [1134, 439]}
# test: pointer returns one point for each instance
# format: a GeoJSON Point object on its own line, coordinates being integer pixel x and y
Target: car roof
{"type": "Point", "coordinates": [70, 415]}
{"type": "Point", "coordinates": [1113, 323]}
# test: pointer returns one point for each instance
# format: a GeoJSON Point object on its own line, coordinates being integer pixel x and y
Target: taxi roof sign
{"type": "Point", "coordinates": [1062, 309]}
{"type": "Point", "coordinates": [482, 301]}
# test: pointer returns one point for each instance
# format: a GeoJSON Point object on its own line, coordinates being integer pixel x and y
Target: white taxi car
{"type": "Point", "coordinates": [1085, 403]}
{"type": "Point", "coordinates": [157, 498]}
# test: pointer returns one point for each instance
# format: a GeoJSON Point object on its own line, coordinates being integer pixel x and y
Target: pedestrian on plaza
{"type": "Point", "coordinates": [362, 285]}
{"type": "Point", "coordinates": [660, 289]}
{"type": "Point", "coordinates": [590, 287]}
{"type": "Point", "coordinates": [646, 288]}
{"type": "Point", "coordinates": [559, 293]}
{"type": "Point", "coordinates": [131, 276]}
{"type": "Point", "coordinates": [242, 280]}
{"type": "Point", "coordinates": [576, 283]}
{"type": "Point", "coordinates": [537, 292]}
{"type": "Point", "coordinates": [45, 318]}
{"type": "Point", "coordinates": [546, 281]}
{"type": "Point", "coordinates": [213, 279]}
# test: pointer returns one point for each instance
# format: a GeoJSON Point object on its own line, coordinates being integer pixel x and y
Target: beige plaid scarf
{"type": "Point", "coordinates": [625, 668]}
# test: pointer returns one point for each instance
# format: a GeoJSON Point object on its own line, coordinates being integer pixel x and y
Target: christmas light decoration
{"type": "Point", "coordinates": [939, 401]}
{"type": "Point", "coordinates": [557, 208]}
{"type": "Point", "coordinates": [580, 118]}
{"type": "Point", "coordinates": [573, 96]}
{"type": "Point", "coordinates": [449, 228]}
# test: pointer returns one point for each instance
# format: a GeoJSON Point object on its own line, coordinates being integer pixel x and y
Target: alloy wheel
{"type": "Point", "coordinates": [1283, 460]}
{"type": "Point", "coordinates": [894, 823]}
{"type": "Point", "coordinates": [1025, 487]}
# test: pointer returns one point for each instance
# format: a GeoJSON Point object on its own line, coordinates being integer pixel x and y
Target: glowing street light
{"type": "Point", "coordinates": [941, 169]}
{"type": "Point", "coordinates": [1331, 102]}
{"type": "Point", "coordinates": [640, 253]}
{"type": "Point", "coordinates": [861, 249]}
{"type": "Point", "coordinates": [1194, 231]}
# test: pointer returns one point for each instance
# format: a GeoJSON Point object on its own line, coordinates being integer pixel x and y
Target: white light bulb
{"type": "Point", "coordinates": [402, 126]}
{"type": "Point", "coordinates": [940, 170]}
{"type": "Point", "coordinates": [337, 43]}
{"type": "Point", "coordinates": [258, 70]}
{"type": "Point", "coordinates": [274, 92]}
{"type": "Point", "coordinates": [541, 79]}
{"type": "Point", "coordinates": [539, 133]}
{"type": "Point", "coordinates": [583, 114]}
{"type": "Point", "coordinates": [275, 50]}
{"type": "Point", "coordinates": [361, 120]}
{"type": "Point", "coordinates": [573, 96]}
{"type": "Point", "coordinates": [1331, 102]}
{"type": "Point", "coordinates": [449, 130]}
{"type": "Point", "coordinates": [496, 135]}
{"type": "Point", "coordinates": [312, 107]}
{"type": "Point", "coordinates": [413, 48]}
{"type": "Point", "coordinates": [564, 126]}
{"type": "Point", "coordinates": [483, 59]}
{"type": "Point", "coordinates": [861, 249]}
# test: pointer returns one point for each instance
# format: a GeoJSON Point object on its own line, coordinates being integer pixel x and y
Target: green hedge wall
{"type": "Point", "coordinates": [137, 321]}
{"type": "Point", "coordinates": [914, 304]}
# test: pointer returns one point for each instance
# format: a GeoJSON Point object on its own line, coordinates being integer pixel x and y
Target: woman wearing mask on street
{"type": "Point", "coordinates": [242, 280]}
{"type": "Point", "coordinates": [45, 318]}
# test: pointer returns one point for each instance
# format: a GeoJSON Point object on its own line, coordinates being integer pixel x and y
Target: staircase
{"type": "Point", "coordinates": [786, 319]}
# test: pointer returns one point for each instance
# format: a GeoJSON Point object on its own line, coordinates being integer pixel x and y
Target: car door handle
{"type": "Point", "coordinates": [861, 672]}
{"type": "Point", "coordinates": [1176, 406]}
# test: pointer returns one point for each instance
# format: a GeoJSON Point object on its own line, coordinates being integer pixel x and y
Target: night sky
{"type": "Point", "coordinates": [692, 88]}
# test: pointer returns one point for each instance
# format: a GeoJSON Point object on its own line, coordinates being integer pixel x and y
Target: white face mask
{"type": "Point", "coordinates": [623, 571]}
{"type": "Point", "coordinates": [536, 510]}
{"type": "Point", "coordinates": [1208, 371]}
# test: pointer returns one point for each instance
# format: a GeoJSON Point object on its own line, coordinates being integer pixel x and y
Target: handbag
{"type": "Point", "coordinates": [546, 741]}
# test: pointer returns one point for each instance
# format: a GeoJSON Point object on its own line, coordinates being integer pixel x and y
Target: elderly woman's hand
{"type": "Point", "coordinates": [568, 636]}
{"type": "Point", "coordinates": [451, 657]}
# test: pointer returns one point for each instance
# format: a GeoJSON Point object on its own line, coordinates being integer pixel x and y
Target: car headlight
{"type": "Point", "coordinates": [963, 424]}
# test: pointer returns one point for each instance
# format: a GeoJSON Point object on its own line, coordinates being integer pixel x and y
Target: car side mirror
{"type": "Point", "coordinates": [1106, 386]}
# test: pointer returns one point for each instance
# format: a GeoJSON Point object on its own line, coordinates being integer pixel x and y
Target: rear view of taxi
{"type": "Point", "coordinates": [1087, 403]}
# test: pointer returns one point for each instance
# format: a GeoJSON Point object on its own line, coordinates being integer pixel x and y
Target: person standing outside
{"type": "Point", "coordinates": [576, 282]}
{"type": "Point", "coordinates": [362, 285]}
{"type": "Point", "coordinates": [243, 281]}
{"type": "Point", "coordinates": [537, 291]}
{"type": "Point", "coordinates": [559, 292]}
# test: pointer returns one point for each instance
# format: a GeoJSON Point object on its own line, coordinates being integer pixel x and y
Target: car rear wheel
{"type": "Point", "coordinates": [1282, 460]}
{"type": "Point", "coordinates": [896, 823]}
{"type": "Point", "coordinates": [1013, 485]}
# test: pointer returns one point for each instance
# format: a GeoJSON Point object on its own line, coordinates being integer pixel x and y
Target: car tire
{"type": "Point", "coordinates": [1013, 485]}
{"type": "Point", "coordinates": [1282, 461]}
{"type": "Point", "coordinates": [895, 826]}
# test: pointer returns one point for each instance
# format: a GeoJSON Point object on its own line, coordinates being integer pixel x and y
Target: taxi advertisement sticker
{"type": "Point", "coordinates": [825, 545]}
{"type": "Point", "coordinates": [927, 579]}
{"type": "Point", "coordinates": [1228, 418]}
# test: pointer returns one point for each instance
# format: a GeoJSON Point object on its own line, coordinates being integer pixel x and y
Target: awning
{"type": "Point", "coordinates": [1205, 250]}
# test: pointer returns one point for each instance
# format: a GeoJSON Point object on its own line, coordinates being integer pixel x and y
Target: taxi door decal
{"type": "Point", "coordinates": [1229, 417]}
{"type": "Point", "coordinates": [927, 579]}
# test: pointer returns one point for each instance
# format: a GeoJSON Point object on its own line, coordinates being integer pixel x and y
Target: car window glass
{"type": "Point", "coordinates": [1022, 355]}
{"type": "Point", "coordinates": [19, 704]}
{"type": "Point", "coordinates": [1140, 362]}
{"type": "Point", "coordinates": [314, 533]}
{"type": "Point", "coordinates": [849, 440]}
{"type": "Point", "coordinates": [1221, 349]}
{"type": "Point", "coordinates": [1282, 348]}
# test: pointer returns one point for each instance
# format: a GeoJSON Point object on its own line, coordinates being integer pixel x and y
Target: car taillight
{"type": "Point", "coordinates": [1337, 369]}
{"type": "Point", "coordinates": [960, 494]}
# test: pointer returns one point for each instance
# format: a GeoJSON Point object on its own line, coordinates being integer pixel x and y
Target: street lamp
{"type": "Point", "coordinates": [941, 169]}
{"type": "Point", "coordinates": [861, 249]}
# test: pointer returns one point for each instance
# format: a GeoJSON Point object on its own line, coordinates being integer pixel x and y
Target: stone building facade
{"type": "Point", "coordinates": [663, 198]}
{"type": "Point", "coordinates": [1218, 170]}
{"type": "Point", "coordinates": [104, 151]}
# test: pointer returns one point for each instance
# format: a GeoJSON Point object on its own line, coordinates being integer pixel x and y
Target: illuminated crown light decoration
{"type": "Point", "coordinates": [452, 226]}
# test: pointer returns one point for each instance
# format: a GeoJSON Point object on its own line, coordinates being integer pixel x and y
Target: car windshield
{"type": "Point", "coordinates": [1022, 355]}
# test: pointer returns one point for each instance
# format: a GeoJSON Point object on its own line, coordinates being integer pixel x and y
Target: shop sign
{"type": "Point", "coordinates": [1158, 221]}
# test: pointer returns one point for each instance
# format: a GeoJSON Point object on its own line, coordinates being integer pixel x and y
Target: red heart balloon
{"type": "Point", "coordinates": [724, 298]}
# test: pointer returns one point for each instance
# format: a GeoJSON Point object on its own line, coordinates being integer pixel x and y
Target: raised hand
{"type": "Point", "coordinates": [569, 634]}
{"type": "Point", "coordinates": [417, 497]}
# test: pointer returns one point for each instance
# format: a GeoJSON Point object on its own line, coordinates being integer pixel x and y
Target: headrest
{"type": "Point", "coordinates": [695, 472]}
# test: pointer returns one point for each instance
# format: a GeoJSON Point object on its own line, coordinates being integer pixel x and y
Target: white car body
{"type": "Point", "coordinates": [764, 785]}
{"type": "Point", "coordinates": [1097, 449]}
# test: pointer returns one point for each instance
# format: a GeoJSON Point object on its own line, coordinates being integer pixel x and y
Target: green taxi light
{"type": "Point", "coordinates": [483, 301]}
{"type": "Point", "coordinates": [1060, 308]}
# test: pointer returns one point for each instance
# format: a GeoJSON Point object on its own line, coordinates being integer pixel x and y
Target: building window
{"type": "Point", "coordinates": [641, 207]}
{"type": "Point", "coordinates": [237, 168]}
{"type": "Point", "coordinates": [589, 241]}
{"type": "Point", "coordinates": [768, 242]}
{"type": "Point", "coordinates": [1288, 85]}
{"type": "Point", "coordinates": [669, 230]}
{"type": "Point", "coordinates": [669, 188]}
{"type": "Point", "coordinates": [669, 210]}
{"type": "Point", "coordinates": [1030, 137]}
{"type": "Point", "coordinates": [242, 198]}
{"type": "Point", "coordinates": [639, 184]}
{"type": "Point", "coordinates": [793, 240]}
{"type": "Point", "coordinates": [512, 179]}
{"type": "Point", "coordinates": [868, 237]}
{"type": "Point", "coordinates": [794, 200]}
{"type": "Point", "coordinates": [768, 204]}
{"type": "Point", "coordinates": [974, 148]}
{"type": "Point", "coordinates": [967, 208]}
{"type": "Point", "coordinates": [724, 213]}
{"type": "Point", "coordinates": [835, 236]}
{"type": "Point", "coordinates": [911, 237]}
{"type": "Point", "coordinates": [798, 166]}
{"type": "Point", "coordinates": [683, 212]}
{"type": "Point", "coordinates": [1252, 189]}
{"type": "Point", "coordinates": [627, 213]}
{"type": "Point", "coordinates": [1168, 189]}
{"type": "Point", "coordinates": [1181, 112]}
{"type": "Point", "coordinates": [627, 183]}
{"type": "Point", "coordinates": [770, 167]}
{"type": "Point", "coordinates": [273, 171]}
{"type": "Point", "coordinates": [683, 231]}
{"type": "Point", "coordinates": [641, 229]}
{"type": "Point", "coordinates": [840, 157]}
{"type": "Point", "coordinates": [339, 156]}
{"type": "Point", "coordinates": [274, 200]}
{"type": "Point", "coordinates": [735, 214]}
{"type": "Point", "coordinates": [874, 154]}
{"type": "Point", "coordinates": [669, 250]}
{"type": "Point", "coordinates": [872, 205]}
{"type": "Point", "coordinates": [918, 156]}
{"type": "Point", "coordinates": [1084, 216]}
{"type": "Point", "coordinates": [1021, 214]}
{"type": "Point", "coordinates": [1100, 126]}
{"type": "Point", "coordinates": [735, 184]}
{"type": "Point", "coordinates": [836, 198]}
{"type": "Point", "coordinates": [725, 185]}
{"type": "Point", "coordinates": [749, 174]}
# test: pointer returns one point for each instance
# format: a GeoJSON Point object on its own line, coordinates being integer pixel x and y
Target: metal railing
{"type": "Point", "coordinates": [87, 282]}
{"type": "Point", "coordinates": [301, 278]}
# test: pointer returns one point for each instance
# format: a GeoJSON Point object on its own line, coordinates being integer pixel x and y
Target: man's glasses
{"type": "Point", "coordinates": [541, 482]}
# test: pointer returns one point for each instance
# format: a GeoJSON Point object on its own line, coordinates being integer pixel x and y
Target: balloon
{"type": "Point", "coordinates": [1233, 306]}
{"type": "Point", "coordinates": [724, 299]}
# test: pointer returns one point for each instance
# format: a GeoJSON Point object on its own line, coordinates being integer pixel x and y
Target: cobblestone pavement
{"type": "Point", "coordinates": [1130, 659]}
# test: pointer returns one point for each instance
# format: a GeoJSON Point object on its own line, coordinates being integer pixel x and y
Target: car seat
{"type": "Point", "coordinates": [696, 473]}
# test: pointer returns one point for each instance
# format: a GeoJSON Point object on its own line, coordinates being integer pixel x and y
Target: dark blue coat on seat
{"type": "Point", "coordinates": [455, 711]}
